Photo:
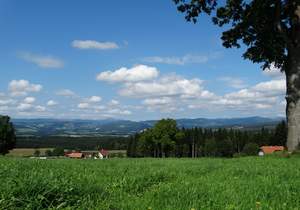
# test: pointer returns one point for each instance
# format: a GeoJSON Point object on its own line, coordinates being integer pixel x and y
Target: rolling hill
{"type": "Point", "coordinates": [77, 128]}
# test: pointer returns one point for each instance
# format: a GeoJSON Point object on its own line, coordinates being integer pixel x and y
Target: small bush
{"type": "Point", "coordinates": [251, 149]}
{"type": "Point", "coordinates": [48, 153]}
{"type": "Point", "coordinates": [58, 151]}
{"type": "Point", "coordinates": [36, 153]}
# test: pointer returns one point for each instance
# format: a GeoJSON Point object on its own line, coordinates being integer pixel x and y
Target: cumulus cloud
{"type": "Point", "coordinates": [42, 61]}
{"type": "Point", "coordinates": [157, 101]}
{"type": "Point", "coordinates": [22, 87]}
{"type": "Point", "coordinates": [134, 74]}
{"type": "Point", "coordinates": [171, 85]}
{"type": "Point", "coordinates": [4, 102]}
{"type": "Point", "coordinates": [273, 72]}
{"type": "Point", "coordinates": [91, 44]}
{"type": "Point", "coordinates": [83, 105]}
{"type": "Point", "coordinates": [186, 59]}
{"type": "Point", "coordinates": [51, 103]}
{"type": "Point", "coordinates": [29, 100]}
{"type": "Point", "coordinates": [24, 107]}
{"type": "Point", "coordinates": [94, 99]}
{"type": "Point", "coordinates": [40, 108]}
{"type": "Point", "coordinates": [65, 92]}
{"type": "Point", "coordinates": [263, 95]}
{"type": "Point", "coordinates": [233, 82]}
{"type": "Point", "coordinates": [113, 102]}
{"type": "Point", "coordinates": [29, 107]}
{"type": "Point", "coordinates": [273, 87]}
{"type": "Point", "coordinates": [118, 111]}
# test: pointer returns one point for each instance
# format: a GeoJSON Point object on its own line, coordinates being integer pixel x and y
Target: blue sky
{"type": "Point", "coordinates": [124, 59]}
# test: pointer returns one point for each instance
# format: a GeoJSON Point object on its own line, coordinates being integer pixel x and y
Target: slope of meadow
{"type": "Point", "coordinates": [240, 183]}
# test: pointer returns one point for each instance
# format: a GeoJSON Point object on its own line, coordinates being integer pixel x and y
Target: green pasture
{"type": "Point", "coordinates": [157, 184]}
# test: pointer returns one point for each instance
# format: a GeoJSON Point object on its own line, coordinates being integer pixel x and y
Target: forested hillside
{"type": "Point", "coordinates": [165, 139]}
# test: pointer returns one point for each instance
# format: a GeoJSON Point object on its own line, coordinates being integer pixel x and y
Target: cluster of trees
{"type": "Point", "coordinates": [78, 143]}
{"type": "Point", "coordinates": [7, 135]}
{"type": "Point", "coordinates": [166, 140]}
{"type": "Point", "coordinates": [58, 151]}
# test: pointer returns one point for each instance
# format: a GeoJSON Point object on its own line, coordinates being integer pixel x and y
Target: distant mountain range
{"type": "Point", "coordinates": [76, 128]}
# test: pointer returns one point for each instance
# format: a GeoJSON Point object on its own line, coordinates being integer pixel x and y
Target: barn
{"type": "Point", "coordinates": [270, 149]}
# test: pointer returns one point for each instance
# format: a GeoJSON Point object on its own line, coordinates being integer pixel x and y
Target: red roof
{"type": "Point", "coordinates": [104, 152]}
{"type": "Point", "coordinates": [75, 155]}
{"type": "Point", "coordinates": [271, 149]}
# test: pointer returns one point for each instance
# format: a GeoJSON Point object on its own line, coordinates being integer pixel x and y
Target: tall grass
{"type": "Point", "coordinates": [242, 183]}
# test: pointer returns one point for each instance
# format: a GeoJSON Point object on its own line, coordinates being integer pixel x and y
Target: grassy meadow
{"type": "Point", "coordinates": [157, 184]}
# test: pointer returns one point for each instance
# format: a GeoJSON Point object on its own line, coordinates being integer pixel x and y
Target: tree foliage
{"type": "Point", "coordinates": [7, 135]}
{"type": "Point", "coordinates": [270, 30]}
{"type": "Point", "coordinates": [251, 149]}
{"type": "Point", "coordinates": [267, 28]}
{"type": "Point", "coordinates": [202, 142]}
{"type": "Point", "coordinates": [58, 151]}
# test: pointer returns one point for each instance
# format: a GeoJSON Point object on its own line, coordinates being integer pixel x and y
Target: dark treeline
{"type": "Point", "coordinates": [80, 143]}
{"type": "Point", "coordinates": [166, 140]}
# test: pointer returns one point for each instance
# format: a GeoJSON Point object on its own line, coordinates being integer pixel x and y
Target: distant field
{"type": "Point", "coordinates": [26, 152]}
{"type": "Point", "coordinates": [158, 184]}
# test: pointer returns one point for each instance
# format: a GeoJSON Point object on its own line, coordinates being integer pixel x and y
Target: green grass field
{"type": "Point", "coordinates": [183, 184]}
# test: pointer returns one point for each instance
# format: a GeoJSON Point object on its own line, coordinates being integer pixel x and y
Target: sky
{"type": "Point", "coordinates": [135, 60]}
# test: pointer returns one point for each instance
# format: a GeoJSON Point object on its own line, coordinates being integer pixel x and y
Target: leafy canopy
{"type": "Point", "coordinates": [267, 27]}
{"type": "Point", "coordinates": [7, 135]}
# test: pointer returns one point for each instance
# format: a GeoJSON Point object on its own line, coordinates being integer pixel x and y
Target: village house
{"type": "Point", "coordinates": [87, 154]}
{"type": "Point", "coordinates": [269, 150]}
{"type": "Point", "coordinates": [76, 155]}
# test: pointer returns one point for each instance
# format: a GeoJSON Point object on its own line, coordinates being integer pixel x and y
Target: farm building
{"type": "Point", "coordinates": [270, 149]}
{"type": "Point", "coordinates": [88, 154]}
{"type": "Point", "coordinates": [104, 153]}
{"type": "Point", "coordinates": [77, 155]}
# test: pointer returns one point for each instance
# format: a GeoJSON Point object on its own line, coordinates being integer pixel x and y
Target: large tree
{"type": "Point", "coordinates": [7, 135]}
{"type": "Point", "coordinates": [271, 31]}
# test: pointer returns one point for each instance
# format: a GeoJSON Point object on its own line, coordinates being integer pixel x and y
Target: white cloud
{"type": "Point", "coordinates": [30, 108]}
{"type": "Point", "coordinates": [24, 107]}
{"type": "Point", "coordinates": [83, 105]}
{"type": "Point", "coordinates": [40, 108]}
{"type": "Point", "coordinates": [233, 82]}
{"type": "Point", "coordinates": [272, 87]}
{"type": "Point", "coordinates": [171, 85]}
{"type": "Point", "coordinates": [91, 44]}
{"type": "Point", "coordinates": [4, 108]}
{"type": "Point", "coordinates": [274, 72]}
{"type": "Point", "coordinates": [263, 106]}
{"type": "Point", "coordinates": [51, 103]}
{"type": "Point", "coordinates": [186, 59]}
{"type": "Point", "coordinates": [134, 74]}
{"type": "Point", "coordinates": [118, 112]}
{"type": "Point", "coordinates": [113, 102]}
{"type": "Point", "coordinates": [65, 92]}
{"type": "Point", "coordinates": [29, 100]}
{"type": "Point", "coordinates": [42, 61]}
{"type": "Point", "coordinates": [6, 102]}
{"type": "Point", "coordinates": [264, 95]}
{"type": "Point", "coordinates": [157, 101]}
{"type": "Point", "coordinates": [22, 87]}
{"type": "Point", "coordinates": [94, 99]}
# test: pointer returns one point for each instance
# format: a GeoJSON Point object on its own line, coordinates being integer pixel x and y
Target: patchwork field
{"type": "Point", "coordinates": [26, 152]}
{"type": "Point", "coordinates": [158, 184]}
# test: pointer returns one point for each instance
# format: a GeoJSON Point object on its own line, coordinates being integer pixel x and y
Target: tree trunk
{"type": "Point", "coordinates": [193, 149]}
{"type": "Point", "coordinates": [293, 99]}
{"type": "Point", "coordinates": [292, 70]}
